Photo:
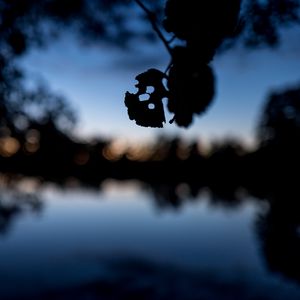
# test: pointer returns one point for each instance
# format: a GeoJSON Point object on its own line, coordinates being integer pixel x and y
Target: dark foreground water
{"type": "Point", "coordinates": [126, 242]}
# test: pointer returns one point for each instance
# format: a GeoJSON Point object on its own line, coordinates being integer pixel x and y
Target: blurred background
{"type": "Point", "coordinates": [94, 206]}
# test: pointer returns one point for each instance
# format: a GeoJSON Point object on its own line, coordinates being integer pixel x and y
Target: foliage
{"type": "Point", "coordinates": [189, 70]}
{"type": "Point", "coordinates": [280, 121]}
{"type": "Point", "coordinates": [200, 31]}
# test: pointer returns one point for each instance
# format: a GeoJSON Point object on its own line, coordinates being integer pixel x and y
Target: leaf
{"type": "Point", "coordinates": [145, 106]}
{"type": "Point", "coordinates": [202, 24]}
{"type": "Point", "coordinates": [191, 88]}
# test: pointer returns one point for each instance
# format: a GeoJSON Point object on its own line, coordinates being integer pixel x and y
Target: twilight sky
{"type": "Point", "coordinates": [95, 79]}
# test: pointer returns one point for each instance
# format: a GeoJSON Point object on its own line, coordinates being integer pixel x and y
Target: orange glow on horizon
{"type": "Point", "coordinates": [9, 146]}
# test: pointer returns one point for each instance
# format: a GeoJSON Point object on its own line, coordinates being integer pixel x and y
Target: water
{"type": "Point", "coordinates": [123, 242]}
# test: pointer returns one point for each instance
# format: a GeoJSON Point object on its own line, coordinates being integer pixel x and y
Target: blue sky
{"type": "Point", "coordinates": [95, 79]}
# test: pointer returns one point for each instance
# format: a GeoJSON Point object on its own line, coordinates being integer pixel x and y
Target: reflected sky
{"type": "Point", "coordinates": [79, 233]}
{"type": "Point", "coordinates": [96, 78]}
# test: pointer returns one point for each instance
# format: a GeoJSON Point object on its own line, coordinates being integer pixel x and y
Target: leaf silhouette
{"type": "Point", "coordinates": [203, 25]}
{"type": "Point", "coordinates": [145, 106]}
{"type": "Point", "coordinates": [191, 87]}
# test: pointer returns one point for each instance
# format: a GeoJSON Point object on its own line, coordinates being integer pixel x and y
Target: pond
{"type": "Point", "coordinates": [126, 241]}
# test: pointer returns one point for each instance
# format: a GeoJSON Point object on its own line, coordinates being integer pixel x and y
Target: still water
{"type": "Point", "coordinates": [122, 242]}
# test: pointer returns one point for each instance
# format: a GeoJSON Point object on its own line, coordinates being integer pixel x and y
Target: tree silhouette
{"type": "Point", "coordinates": [262, 21]}
{"type": "Point", "coordinates": [280, 121]}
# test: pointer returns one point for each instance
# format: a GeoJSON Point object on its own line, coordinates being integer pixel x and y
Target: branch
{"type": "Point", "coordinates": [152, 19]}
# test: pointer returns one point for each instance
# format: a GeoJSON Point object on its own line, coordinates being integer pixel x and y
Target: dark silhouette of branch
{"type": "Point", "coordinates": [151, 17]}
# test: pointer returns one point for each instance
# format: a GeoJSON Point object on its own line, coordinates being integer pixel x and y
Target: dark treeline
{"type": "Point", "coordinates": [45, 152]}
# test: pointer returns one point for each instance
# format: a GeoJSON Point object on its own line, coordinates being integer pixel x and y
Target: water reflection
{"type": "Point", "coordinates": [13, 204]}
{"type": "Point", "coordinates": [278, 232]}
{"type": "Point", "coordinates": [138, 279]}
{"type": "Point", "coordinates": [110, 243]}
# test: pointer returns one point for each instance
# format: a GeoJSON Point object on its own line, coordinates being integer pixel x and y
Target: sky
{"type": "Point", "coordinates": [95, 79]}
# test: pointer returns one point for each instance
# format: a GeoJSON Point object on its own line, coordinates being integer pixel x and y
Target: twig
{"type": "Point", "coordinates": [152, 19]}
{"type": "Point", "coordinates": [168, 67]}
{"type": "Point", "coordinates": [172, 39]}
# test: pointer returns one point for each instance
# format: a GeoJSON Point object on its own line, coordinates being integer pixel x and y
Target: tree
{"type": "Point", "coordinates": [280, 120]}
